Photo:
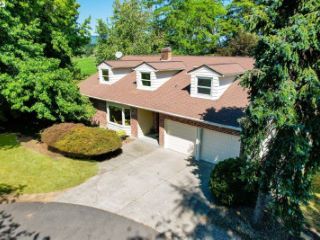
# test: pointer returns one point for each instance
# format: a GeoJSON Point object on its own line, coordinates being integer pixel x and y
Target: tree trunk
{"type": "Point", "coordinates": [259, 211]}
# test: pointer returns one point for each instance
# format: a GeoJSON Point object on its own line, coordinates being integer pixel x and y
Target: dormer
{"type": "Point", "coordinates": [151, 75]}
{"type": "Point", "coordinates": [112, 71]}
{"type": "Point", "coordinates": [210, 81]}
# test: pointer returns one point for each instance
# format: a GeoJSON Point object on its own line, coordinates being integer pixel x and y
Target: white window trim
{"type": "Point", "coordinates": [102, 76]}
{"type": "Point", "coordinates": [211, 81]}
{"type": "Point", "coordinates": [123, 120]}
{"type": "Point", "coordinates": [148, 80]}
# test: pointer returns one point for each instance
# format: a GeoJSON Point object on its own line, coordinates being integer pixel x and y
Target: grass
{"type": "Point", "coordinates": [37, 172]}
{"type": "Point", "coordinates": [87, 65]}
{"type": "Point", "coordinates": [312, 211]}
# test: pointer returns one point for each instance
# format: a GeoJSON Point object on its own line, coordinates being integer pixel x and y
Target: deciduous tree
{"type": "Point", "coordinates": [33, 83]}
{"type": "Point", "coordinates": [129, 31]}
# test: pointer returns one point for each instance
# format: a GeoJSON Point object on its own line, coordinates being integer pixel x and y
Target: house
{"type": "Point", "coordinates": [190, 104]}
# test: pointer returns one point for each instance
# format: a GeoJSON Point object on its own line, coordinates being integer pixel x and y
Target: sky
{"type": "Point", "coordinates": [96, 9]}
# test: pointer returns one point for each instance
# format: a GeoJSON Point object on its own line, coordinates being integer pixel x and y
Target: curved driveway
{"type": "Point", "coordinates": [50, 221]}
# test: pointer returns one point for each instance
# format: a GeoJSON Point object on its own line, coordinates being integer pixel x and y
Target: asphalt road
{"type": "Point", "coordinates": [51, 221]}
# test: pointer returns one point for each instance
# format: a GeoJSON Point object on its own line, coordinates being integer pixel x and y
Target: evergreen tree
{"type": "Point", "coordinates": [281, 130]}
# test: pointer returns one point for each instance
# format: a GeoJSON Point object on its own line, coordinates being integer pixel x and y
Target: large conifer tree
{"type": "Point", "coordinates": [281, 130]}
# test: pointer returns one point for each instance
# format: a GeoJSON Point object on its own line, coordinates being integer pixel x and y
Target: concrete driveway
{"type": "Point", "coordinates": [157, 187]}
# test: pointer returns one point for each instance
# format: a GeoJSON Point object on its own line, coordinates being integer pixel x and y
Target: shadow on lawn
{"type": "Point", "coordinates": [10, 230]}
{"type": "Point", "coordinates": [9, 194]}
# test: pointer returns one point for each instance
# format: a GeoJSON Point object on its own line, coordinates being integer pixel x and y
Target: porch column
{"type": "Point", "coordinates": [134, 122]}
{"type": "Point", "coordinates": [161, 129]}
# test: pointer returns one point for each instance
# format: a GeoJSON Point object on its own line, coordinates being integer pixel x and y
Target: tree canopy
{"type": "Point", "coordinates": [37, 40]}
{"type": "Point", "coordinates": [281, 130]}
{"type": "Point", "coordinates": [129, 31]}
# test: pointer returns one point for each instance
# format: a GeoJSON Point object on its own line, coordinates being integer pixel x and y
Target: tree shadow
{"type": "Point", "coordinates": [227, 116]}
{"type": "Point", "coordinates": [8, 141]}
{"type": "Point", "coordinates": [10, 230]}
{"type": "Point", "coordinates": [9, 194]}
{"type": "Point", "coordinates": [212, 220]}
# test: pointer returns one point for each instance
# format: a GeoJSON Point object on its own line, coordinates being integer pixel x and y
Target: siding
{"type": "Point", "coordinates": [219, 84]}
{"type": "Point", "coordinates": [114, 74]}
{"type": "Point", "coordinates": [157, 78]}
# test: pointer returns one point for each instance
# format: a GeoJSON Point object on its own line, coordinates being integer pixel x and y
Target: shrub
{"type": "Point", "coordinates": [122, 134]}
{"type": "Point", "coordinates": [57, 131]}
{"type": "Point", "coordinates": [77, 140]}
{"type": "Point", "coordinates": [227, 186]}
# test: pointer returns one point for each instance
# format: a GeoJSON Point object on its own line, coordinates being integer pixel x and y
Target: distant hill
{"type": "Point", "coordinates": [94, 40]}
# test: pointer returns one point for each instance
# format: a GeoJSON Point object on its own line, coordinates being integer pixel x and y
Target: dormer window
{"type": "Point", "coordinates": [105, 75]}
{"type": "Point", "coordinates": [204, 85]}
{"type": "Point", "coordinates": [146, 79]}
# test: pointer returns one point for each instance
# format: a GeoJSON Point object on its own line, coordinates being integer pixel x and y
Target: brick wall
{"type": "Point", "coordinates": [134, 122]}
{"type": "Point", "coordinates": [162, 118]}
{"type": "Point", "coordinates": [100, 118]}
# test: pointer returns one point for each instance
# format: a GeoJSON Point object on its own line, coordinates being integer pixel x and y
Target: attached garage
{"type": "Point", "coordinates": [180, 137]}
{"type": "Point", "coordinates": [213, 146]}
{"type": "Point", "coordinates": [217, 146]}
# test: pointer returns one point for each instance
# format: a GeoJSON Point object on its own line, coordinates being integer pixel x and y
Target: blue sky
{"type": "Point", "coordinates": [96, 9]}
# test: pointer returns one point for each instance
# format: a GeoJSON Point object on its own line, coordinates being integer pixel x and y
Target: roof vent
{"type": "Point", "coordinates": [166, 54]}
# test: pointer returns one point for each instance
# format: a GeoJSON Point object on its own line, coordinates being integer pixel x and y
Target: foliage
{"type": "Point", "coordinates": [191, 27]}
{"type": "Point", "coordinates": [130, 31]}
{"type": "Point", "coordinates": [242, 44]}
{"type": "Point", "coordinates": [81, 141]}
{"type": "Point", "coordinates": [39, 173]}
{"type": "Point", "coordinates": [122, 134]}
{"type": "Point", "coordinates": [86, 65]}
{"type": "Point", "coordinates": [35, 42]}
{"type": "Point", "coordinates": [283, 116]}
{"type": "Point", "coordinates": [42, 89]}
{"type": "Point", "coordinates": [57, 131]}
{"type": "Point", "coordinates": [227, 185]}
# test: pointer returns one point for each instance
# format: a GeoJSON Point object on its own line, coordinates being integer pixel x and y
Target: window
{"type": "Point", "coordinates": [115, 114]}
{"type": "Point", "coordinates": [204, 86]}
{"type": "Point", "coordinates": [119, 115]}
{"type": "Point", "coordinates": [127, 117]}
{"type": "Point", "coordinates": [146, 79]}
{"type": "Point", "coordinates": [105, 75]}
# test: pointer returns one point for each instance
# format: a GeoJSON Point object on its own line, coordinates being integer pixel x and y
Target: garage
{"type": "Point", "coordinates": [217, 146]}
{"type": "Point", "coordinates": [180, 137]}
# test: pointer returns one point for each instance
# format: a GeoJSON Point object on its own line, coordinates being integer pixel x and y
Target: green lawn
{"type": "Point", "coordinates": [87, 65]}
{"type": "Point", "coordinates": [37, 172]}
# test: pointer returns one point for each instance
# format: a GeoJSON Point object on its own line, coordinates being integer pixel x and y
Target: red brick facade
{"type": "Point", "coordinates": [162, 118]}
{"type": "Point", "coordinates": [100, 118]}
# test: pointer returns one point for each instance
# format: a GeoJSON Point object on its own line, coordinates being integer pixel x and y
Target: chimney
{"type": "Point", "coordinates": [166, 54]}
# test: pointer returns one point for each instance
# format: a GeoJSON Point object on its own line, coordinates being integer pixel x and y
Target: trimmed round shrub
{"type": "Point", "coordinates": [80, 141]}
{"type": "Point", "coordinates": [227, 186]}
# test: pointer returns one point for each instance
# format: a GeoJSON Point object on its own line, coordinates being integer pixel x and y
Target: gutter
{"type": "Point", "coordinates": [171, 114]}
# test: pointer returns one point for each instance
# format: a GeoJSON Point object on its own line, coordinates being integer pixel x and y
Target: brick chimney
{"type": "Point", "coordinates": [166, 54]}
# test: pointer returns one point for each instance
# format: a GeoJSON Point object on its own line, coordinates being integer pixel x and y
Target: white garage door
{"type": "Point", "coordinates": [217, 146]}
{"type": "Point", "coordinates": [180, 137]}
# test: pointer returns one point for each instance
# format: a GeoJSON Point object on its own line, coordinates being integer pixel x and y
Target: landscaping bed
{"type": "Point", "coordinates": [79, 141]}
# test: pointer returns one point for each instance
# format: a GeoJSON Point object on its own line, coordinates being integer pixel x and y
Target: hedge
{"type": "Point", "coordinates": [77, 140]}
{"type": "Point", "coordinates": [228, 187]}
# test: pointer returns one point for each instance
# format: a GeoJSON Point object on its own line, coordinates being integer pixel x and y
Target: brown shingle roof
{"type": "Point", "coordinates": [166, 65]}
{"type": "Point", "coordinates": [123, 63]}
{"type": "Point", "coordinates": [225, 69]}
{"type": "Point", "coordinates": [173, 97]}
